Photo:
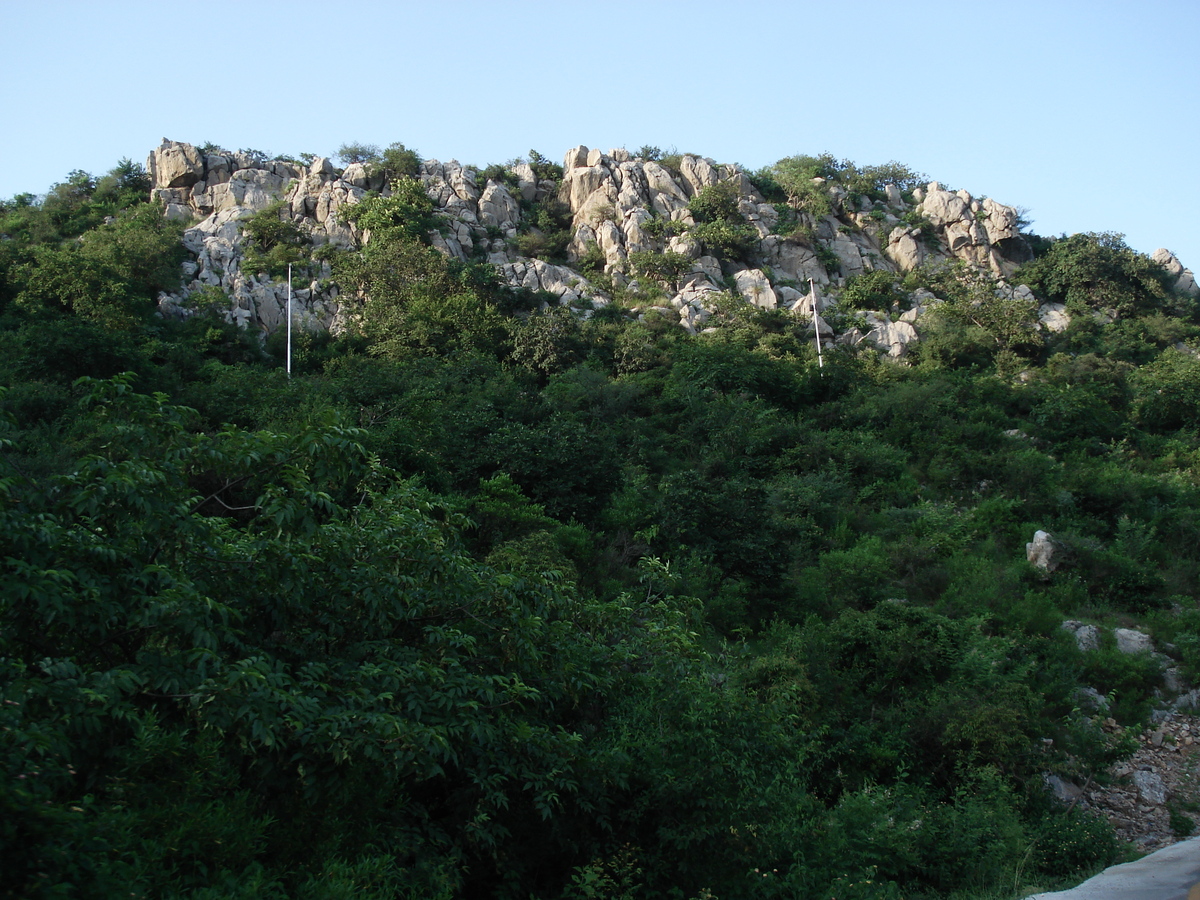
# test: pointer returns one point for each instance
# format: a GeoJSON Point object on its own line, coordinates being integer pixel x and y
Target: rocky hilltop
{"type": "Point", "coordinates": [620, 208]}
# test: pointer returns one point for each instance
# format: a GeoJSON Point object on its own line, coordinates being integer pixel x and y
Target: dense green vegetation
{"type": "Point", "coordinates": [486, 602]}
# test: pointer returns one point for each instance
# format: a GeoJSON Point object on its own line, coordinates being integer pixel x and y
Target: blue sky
{"type": "Point", "coordinates": [1085, 113]}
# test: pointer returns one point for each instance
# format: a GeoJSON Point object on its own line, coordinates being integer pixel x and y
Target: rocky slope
{"type": "Point", "coordinates": [618, 206]}
{"type": "Point", "coordinates": [1148, 796]}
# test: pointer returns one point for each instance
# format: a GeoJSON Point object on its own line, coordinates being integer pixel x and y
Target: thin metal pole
{"type": "Point", "coordinates": [289, 323]}
{"type": "Point", "coordinates": [812, 292]}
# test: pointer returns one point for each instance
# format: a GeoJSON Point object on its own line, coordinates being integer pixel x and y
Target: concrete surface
{"type": "Point", "coordinates": [1172, 873]}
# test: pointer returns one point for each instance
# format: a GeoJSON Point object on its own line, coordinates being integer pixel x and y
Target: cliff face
{"type": "Point", "coordinates": [618, 206]}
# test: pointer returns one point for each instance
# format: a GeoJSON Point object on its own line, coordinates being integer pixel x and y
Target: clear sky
{"type": "Point", "coordinates": [1087, 114]}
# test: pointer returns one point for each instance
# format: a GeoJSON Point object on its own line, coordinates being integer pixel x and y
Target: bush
{"type": "Point", "coordinates": [1097, 272]}
{"type": "Point", "coordinates": [878, 290]}
{"type": "Point", "coordinates": [276, 241]}
{"type": "Point", "coordinates": [724, 238]}
{"type": "Point", "coordinates": [1076, 842]}
{"type": "Point", "coordinates": [397, 161]}
{"type": "Point", "coordinates": [665, 267]}
{"type": "Point", "coordinates": [716, 203]}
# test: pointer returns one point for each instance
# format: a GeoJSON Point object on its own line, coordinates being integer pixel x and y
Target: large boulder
{"type": "Point", "coordinates": [905, 248]}
{"type": "Point", "coordinates": [891, 337]}
{"type": "Point", "coordinates": [754, 286]}
{"type": "Point", "coordinates": [1044, 552]}
{"type": "Point", "coordinates": [1130, 641]}
{"type": "Point", "coordinates": [1087, 637]}
{"type": "Point", "coordinates": [175, 165]}
{"type": "Point", "coordinates": [942, 207]}
{"type": "Point", "coordinates": [1054, 317]}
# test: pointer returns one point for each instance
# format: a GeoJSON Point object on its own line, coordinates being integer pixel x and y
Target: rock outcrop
{"type": "Point", "coordinates": [618, 206]}
{"type": "Point", "coordinates": [1184, 280]}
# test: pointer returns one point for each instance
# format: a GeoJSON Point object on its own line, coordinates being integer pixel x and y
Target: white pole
{"type": "Point", "coordinates": [289, 320]}
{"type": "Point", "coordinates": [812, 292]}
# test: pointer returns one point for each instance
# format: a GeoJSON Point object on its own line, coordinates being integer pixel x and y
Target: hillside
{"type": "Point", "coordinates": [563, 563]}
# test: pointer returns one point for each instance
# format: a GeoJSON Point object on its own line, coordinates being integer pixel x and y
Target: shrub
{"type": "Point", "coordinates": [276, 241]}
{"type": "Point", "coordinates": [723, 238]}
{"type": "Point", "coordinates": [879, 290]}
{"type": "Point", "coordinates": [767, 184]}
{"type": "Point", "coordinates": [716, 203]}
{"type": "Point", "coordinates": [544, 169]}
{"type": "Point", "coordinates": [1097, 272]}
{"type": "Point", "coordinates": [1075, 842]}
{"type": "Point", "coordinates": [805, 194]}
{"type": "Point", "coordinates": [663, 229]}
{"type": "Point", "coordinates": [665, 267]}
{"type": "Point", "coordinates": [1167, 392]}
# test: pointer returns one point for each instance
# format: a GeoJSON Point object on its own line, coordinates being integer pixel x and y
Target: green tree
{"type": "Point", "coordinates": [356, 152]}
{"type": "Point", "coordinates": [397, 161]}
{"type": "Point", "coordinates": [112, 274]}
{"type": "Point", "coordinates": [1098, 272]}
{"type": "Point", "coordinates": [303, 628]}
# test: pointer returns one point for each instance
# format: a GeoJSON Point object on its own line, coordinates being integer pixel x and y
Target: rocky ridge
{"type": "Point", "coordinates": [612, 200]}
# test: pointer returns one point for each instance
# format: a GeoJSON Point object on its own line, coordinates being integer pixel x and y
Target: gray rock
{"type": "Point", "coordinates": [1090, 698]}
{"type": "Point", "coordinates": [894, 337]}
{"type": "Point", "coordinates": [1150, 787]}
{"type": "Point", "coordinates": [527, 182]}
{"type": "Point", "coordinates": [1062, 789]}
{"type": "Point", "coordinates": [941, 207]}
{"type": "Point", "coordinates": [321, 168]}
{"type": "Point", "coordinates": [1184, 280]}
{"type": "Point", "coordinates": [576, 157]}
{"type": "Point", "coordinates": [355, 174]}
{"type": "Point", "coordinates": [697, 173]}
{"type": "Point", "coordinates": [497, 207]}
{"type": "Point", "coordinates": [1087, 637]}
{"type": "Point", "coordinates": [754, 286]}
{"type": "Point", "coordinates": [1130, 641]}
{"type": "Point", "coordinates": [1168, 261]}
{"type": "Point", "coordinates": [905, 249]}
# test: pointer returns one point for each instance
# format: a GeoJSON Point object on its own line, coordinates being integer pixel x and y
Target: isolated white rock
{"type": "Point", "coordinates": [1130, 641]}
{"type": "Point", "coordinates": [894, 337]}
{"type": "Point", "coordinates": [1043, 552]}
{"type": "Point", "coordinates": [1054, 317]}
{"type": "Point", "coordinates": [1065, 791]}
